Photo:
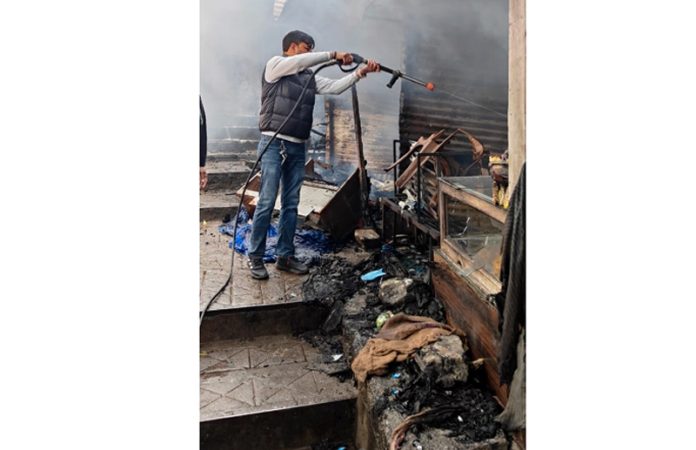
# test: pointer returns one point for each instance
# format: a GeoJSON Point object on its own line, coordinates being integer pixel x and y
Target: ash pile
{"type": "Point", "coordinates": [426, 393]}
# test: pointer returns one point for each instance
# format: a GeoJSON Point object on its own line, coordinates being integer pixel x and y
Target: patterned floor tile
{"type": "Point", "coordinates": [262, 373]}
{"type": "Point", "coordinates": [215, 262]}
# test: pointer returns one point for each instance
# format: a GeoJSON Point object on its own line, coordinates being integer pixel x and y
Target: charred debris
{"type": "Point", "coordinates": [440, 379]}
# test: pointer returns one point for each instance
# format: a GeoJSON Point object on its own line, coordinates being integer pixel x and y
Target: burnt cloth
{"type": "Point", "coordinates": [511, 300]}
{"type": "Point", "coordinates": [398, 339]}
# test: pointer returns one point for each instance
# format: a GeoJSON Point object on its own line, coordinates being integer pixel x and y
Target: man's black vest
{"type": "Point", "coordinates": [278, 99]}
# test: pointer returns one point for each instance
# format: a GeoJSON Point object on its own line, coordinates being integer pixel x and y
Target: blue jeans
{"type": "Point", "coordinates": [282, 164]}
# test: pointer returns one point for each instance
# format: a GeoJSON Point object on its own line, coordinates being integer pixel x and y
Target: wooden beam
{"type": "Point", "coordinates": [485, 207]}
{"type": "Point", "coordinates": [517, 90]}
{"type": "Point", "coordinates": [362, 172]}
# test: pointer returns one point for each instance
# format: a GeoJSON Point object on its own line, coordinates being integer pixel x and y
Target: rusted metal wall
{"type": "Point", "coordinates": [422, 114]}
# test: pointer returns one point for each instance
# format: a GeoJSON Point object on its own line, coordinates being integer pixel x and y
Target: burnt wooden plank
{"type": "Point", "coordinates": [485, 207]}
{"type": "Point", "coordinates": [479, 279]}
{"type": "Point", "coordinates": [410, 219]}
{"type": "Point", "coordinates": [429, 146]}
{"type": "Point", "coordinates": [341, 214]}
{"type": "Point", "coordinates": [472, 314]}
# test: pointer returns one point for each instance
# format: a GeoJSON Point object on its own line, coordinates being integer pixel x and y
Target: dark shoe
{"type": "Point", "coordinates": [258, 269]}
{"type": "Point", "coordinates": [292, 265]}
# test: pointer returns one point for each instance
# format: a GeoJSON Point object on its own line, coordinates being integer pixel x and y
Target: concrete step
{"type": "Point", "coordinates": [226, 175]}
{"type": "Point", "coordinates": [266, 392]}
{"type": "Point", "coordinates": [215, 205]}
{"type": "Point", "coordinates": [249, 321]}
{"type": "Point", "coordinates": [238, 155]}
{"type": "Point", "coordinates": [248, 307]}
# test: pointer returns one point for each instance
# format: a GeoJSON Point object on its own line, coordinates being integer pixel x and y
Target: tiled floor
{"type": "Point", "coordinates": [262, 374]}
{"type": "Point", "coordinates": [215, 259]}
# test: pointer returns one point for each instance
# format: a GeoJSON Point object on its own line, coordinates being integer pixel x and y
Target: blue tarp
{"type": "Point", "coordinates": [309, 244]}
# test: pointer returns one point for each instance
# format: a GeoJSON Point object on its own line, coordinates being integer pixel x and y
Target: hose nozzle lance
{"type": "Point", "coordinates": [396, 74]}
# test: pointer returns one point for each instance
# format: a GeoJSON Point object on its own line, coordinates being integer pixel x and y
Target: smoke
{"type": "Point", "coordinates": [239, 36]}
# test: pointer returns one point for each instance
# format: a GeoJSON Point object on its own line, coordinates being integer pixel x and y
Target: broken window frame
{"type": "Point", "coordinates": [485, 281]}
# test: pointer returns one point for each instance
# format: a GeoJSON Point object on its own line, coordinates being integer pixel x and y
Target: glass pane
{"type": "Point", "coordinates": [475, 234]}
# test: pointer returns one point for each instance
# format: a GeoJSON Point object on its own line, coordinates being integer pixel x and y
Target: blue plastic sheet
{"type": "Point", "coordinates": [309, 244]}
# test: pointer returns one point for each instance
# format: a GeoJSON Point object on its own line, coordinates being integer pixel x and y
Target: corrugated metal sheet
{"type": "Point", "coordinates": [467, 61]}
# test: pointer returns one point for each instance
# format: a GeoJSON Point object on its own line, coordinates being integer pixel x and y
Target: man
{"type": "Point", "coordinates": [283, 162]}
{"type": "Point", "coordinates": [203, 148]}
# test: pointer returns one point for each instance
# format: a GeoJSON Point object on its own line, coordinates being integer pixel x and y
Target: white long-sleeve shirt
{"type": "Point", "coordinates": [280, 66]}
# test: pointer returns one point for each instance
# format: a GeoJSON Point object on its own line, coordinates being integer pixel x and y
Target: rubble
{"type": "Point", "coordinates": [472, 419]}
{"type": "Point", "coordinates": [366, 238]}
{"type": "Point", "coordinates": [438, 376]}
{"type": "Point", "coordinates": [443, 360]}
{"type": "Point", "coordinates": [393, 292]}
{"type": "Point", "coordinates": [334, 319]}
{"type": "Point", "coordinates": [334, 279]}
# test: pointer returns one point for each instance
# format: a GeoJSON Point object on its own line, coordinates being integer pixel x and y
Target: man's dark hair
{"type": "Point", "coordinates": [297, 37]}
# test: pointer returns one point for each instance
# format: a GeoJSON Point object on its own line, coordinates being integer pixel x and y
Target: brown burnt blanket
{"type": "Point", "coordinates": [398, 339]}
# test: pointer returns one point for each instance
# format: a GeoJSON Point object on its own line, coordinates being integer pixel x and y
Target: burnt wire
{"type": "Point", "coordinates": [252, 173]}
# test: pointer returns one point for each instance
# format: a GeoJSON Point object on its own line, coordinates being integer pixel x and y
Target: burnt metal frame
{"type": "Point", "coordinates": [396, 168]}
{"type": "Point", "coordinates": [396, 194]}
{"type": "Point", "coordinates": [418, 173]}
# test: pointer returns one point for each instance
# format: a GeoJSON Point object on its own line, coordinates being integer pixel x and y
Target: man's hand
{"type": "Point", "coordinates": [371, 66]}
{"type": "Point", "coordinates": [345, 58]}
{"type": "Point", "coordinates": [203, 178]}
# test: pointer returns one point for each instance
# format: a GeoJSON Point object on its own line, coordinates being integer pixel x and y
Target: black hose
{"type": "Point", "coordinates": [251, 174]}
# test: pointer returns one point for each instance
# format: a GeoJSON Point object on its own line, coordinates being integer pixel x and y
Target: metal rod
{"type": "Point", "coordinates": [331, 134]}
{"type": "Point", "coordinates": [450, 153]}
{"type": "Point", "coordinates": [430, 249]}
{"type": "Point", "coordinates": [413, 80]}
{"type": "Point", "coordinates": [418, 184]}
{"type": "Point", "coordinates": [394, 142]}
{"type": "Point", "coordinates": [402, 75]}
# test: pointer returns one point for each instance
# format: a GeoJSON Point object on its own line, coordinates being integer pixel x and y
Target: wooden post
{"type": "Point", "coordinates": [330, 134]}
{"type": "Point", "coordinates": [517, 94]}
{"type": "Point", "coordinates": [364, 188]}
